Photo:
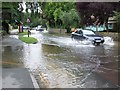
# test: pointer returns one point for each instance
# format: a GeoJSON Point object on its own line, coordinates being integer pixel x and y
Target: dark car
{"type": "Point", "coordinates": [86, 34]}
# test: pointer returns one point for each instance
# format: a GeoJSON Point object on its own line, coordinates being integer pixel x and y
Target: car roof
{"type": "Point", "coordinates": [84, 29]}
{"type": "Point", "coordinates": [88, 29]}
{"type": "Point", "coordinates": [78, 29]}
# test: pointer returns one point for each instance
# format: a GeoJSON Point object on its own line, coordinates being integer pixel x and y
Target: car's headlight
{"type": "Point", "coordinates": [102, 39]}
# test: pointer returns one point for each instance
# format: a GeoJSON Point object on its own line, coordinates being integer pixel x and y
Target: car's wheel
{"type": "Point", "coordinates": [97, 44]}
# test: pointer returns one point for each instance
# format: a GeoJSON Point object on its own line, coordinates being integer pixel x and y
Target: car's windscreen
{"type": "Point", "coordinates": [87, 32]}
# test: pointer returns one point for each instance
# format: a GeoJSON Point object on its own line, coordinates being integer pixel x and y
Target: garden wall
{"type": "Point", "coordinates": [56, 31]}
{"type": "Point", "coordinates": [115, 36]}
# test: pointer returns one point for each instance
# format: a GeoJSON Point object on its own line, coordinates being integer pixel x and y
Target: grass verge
{"type": "Point", "coordinates": [28, 40]}
{"type": "Point", "coordinates": [23, 33]}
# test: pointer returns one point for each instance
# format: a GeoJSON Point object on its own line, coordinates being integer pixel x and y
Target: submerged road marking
{"type": "Point", "coordinates": [43, 79]}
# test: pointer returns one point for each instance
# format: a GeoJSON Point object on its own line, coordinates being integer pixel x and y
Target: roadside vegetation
{"type": "Point", "coordinates": [23, 33]}
{"type": "Point", "coordinates": [63, 15]}
{"type": "Point", "coordinates": [29, 40]}
{"type": "Point", "coordinates": [97, 13]}
{"type": "Point", "coordinates": [0, 31]}
{"type": "Point", "coordinates": [117, 15]}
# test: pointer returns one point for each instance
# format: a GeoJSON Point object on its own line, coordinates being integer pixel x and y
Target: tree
{"type": "Point", "coordinates": [56, 15]}
{"type": "Point", "coordinates": [70, 19]}
{"type": "Point", "coordinates": [52, 10]}
{"type": "Point", "coordinates": [33, 7]}
{"type": "Point", "coordinates": [32, 11]}
{"type": "Point", "coordinates": [117, 16]}
{"type": "Point", "coordinates": [15, 14]}
{"type": "Point", "coordinates": [100, 10]}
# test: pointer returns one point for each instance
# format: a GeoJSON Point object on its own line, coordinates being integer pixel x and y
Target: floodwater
{"type": "Point", "coordinates": [57, 61]}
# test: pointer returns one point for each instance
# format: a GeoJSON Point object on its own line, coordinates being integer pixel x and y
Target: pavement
{"type": "Point", "coordinates": [12, 39]}
{"type": "Point", "coordinates": [8, 40]}
{"type": "Point", "coordinates": [16, 78]}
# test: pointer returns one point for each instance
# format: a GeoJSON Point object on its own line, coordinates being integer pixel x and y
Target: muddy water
{"type": "Point", "coordinates": [58, 62]}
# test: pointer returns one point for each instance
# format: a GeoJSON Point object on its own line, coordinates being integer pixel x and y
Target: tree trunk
{"type": "Point", "coordinates": [96, 28]}
{"type": "Point", "coordinates": [106, 25]}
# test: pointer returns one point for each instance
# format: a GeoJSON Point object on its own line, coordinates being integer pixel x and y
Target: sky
{"type": "Point", "coordinates": [24, 7]}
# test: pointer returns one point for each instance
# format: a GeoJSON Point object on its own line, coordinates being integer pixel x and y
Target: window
{"type": "Point", "coordinates": [87, 32]}
{"type": "Point", "coordinates": [80, 32]}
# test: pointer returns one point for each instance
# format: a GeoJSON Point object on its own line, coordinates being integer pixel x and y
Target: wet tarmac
{"type": "Point", "coordinates": [16, 79]}
{"type": "Point", "coordinates": [57, 61]}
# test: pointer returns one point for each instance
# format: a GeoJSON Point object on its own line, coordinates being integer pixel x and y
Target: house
{"type": "Point", "coordinates": [111, 23]}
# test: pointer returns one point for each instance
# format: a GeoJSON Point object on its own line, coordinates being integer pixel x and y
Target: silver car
{"type": "Point", "coordinates": [86, 34]}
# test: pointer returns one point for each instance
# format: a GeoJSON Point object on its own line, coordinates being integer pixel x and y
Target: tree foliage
{"type": "Point", "coordinates": [32, 11]}
{"type": "Point", "coordinates": [15, 14]}
{"type": "Point", "coordinates": [117, 16]}
{"type": "Point", "coordinates": [56, 12]}
{"type": "Point", "coordinates": [100, 10]}
{"type": "Point", "coordinates": [70, 19]}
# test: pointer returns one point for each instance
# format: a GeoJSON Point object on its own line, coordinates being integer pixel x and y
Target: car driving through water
{"type": "Point", "coordinates": [87, 34]}
{"type": "Point", "coordinates": [39, 28]}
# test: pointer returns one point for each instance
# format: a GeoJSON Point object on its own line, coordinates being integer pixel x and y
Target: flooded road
{"type": "Point", "coordinates": [57, 61]}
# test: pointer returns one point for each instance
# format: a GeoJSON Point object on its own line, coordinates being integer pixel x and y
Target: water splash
{"type": "Point", "coordinates": [108, 41]}
{"type": "Point", "coordinates": [69, 42]}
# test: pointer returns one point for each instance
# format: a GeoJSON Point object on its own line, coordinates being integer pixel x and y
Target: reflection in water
{"type": "Point", "coordinates": [33, 58]}
{"type": "Point", "coordinates": [60, 62]}
{"type": "Point", "coordinates": [12, 56]}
